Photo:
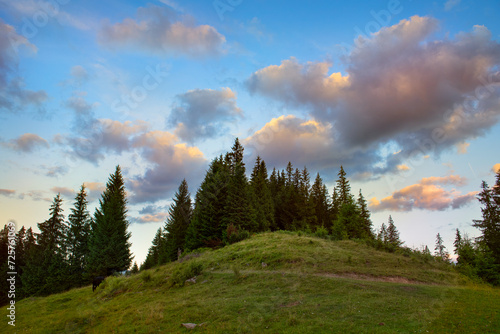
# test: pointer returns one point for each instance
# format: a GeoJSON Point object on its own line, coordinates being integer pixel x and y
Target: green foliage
{"type": "Point", "coordinates": [180, 214]}
{"type": "Point", "coordinates": [109, 244]}
{"type": "Point", "coordinates": [183, 272]}
{"type": "Point", "coordinates": [321, 232]}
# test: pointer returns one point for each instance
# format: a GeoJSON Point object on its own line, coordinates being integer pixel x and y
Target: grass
{"type": "Point", "coordinates": [307, 285]}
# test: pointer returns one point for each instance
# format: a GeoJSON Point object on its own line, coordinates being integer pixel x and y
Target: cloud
{"type": "Point", "coordinates": [401, 87]}
{"type": "Point", "coordinates": [27, 142]}
{"type": "Point", "coordinates": [496, 168]}
{"type": "Point", "coordinates": [66, 192]}
{"type": "Point", "coordinates": [94, 190]}
{"type": "Point", "coordinates": [161, 30]}
{"type": "Point", "coordinates": [14, 97]}
{"type": "Point", "coordinates": [7, 192]}
{"type": "Point", "coordinates": [150, 218]}
{"type": "Point", "coordinates": [450, 4]}
{"type": "Point", "coordinates": [425, 195]}
{"type": "Point", "coordinates": [312, 143]}
{"type": "Point", "coordinates": [172, 161]}
{"type": "Point", "coordinates": [201, 113]}
{"type": "Point", "coordinates": [54, 171]}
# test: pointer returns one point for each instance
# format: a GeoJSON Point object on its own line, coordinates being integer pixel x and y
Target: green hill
{"type": "Point", "coordinates": [275, 283]}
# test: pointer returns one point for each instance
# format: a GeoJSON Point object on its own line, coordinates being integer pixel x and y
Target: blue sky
{"type": "Point", "coordinates": [404, 94]}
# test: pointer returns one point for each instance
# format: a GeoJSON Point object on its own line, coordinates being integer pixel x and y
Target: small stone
{"type": "Point", "coordinates": [381, 324]}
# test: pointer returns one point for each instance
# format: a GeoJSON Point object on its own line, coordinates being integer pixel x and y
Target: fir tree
{"type": "Point", "coordinates": [153, 257]}
{"type": "Point", "coordinates": [79, 236]}
{"type": "Point", "coordinates": [238, 210]}
{"type": "Point", "coordinates": [46, 270]}
{"type": "Point", "coordinates": [180, 214]}
{"type": "Point", "coordinates": [261, 197]}
{"type": "Point", "coordinates": [319, 199]}
{"type": "Point", "coordinates": [344, 188]}
{"type": "Point", "coordinates": [393, 240]}
{"type": "Point", "coordinates": [110, 246]}
{"type": "Point", "coordinates": [440, 249]}
{"type": "Point", "coordinates": [364, 214]}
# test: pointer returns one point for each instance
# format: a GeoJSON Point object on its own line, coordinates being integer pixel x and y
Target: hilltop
{"type": "Point", "coordinates": [276, 282]}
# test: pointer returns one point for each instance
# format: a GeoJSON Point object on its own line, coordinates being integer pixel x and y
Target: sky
{"type": "Point", "coordinates": [405, 95]}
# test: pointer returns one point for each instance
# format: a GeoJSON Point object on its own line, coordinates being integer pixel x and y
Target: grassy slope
{"type": "Point", "coordinates": [308, 285]}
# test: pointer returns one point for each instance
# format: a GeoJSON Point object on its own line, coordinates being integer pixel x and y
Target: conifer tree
{"type": "Point", "coordinates": [319, 199]}
{"type": "Point", "coordinates": [261, 196]}
{"type": "Point", "coordinates": [344, 188]}
{"type": "Point", "coordinates": [110, 246]}
{"type": "Point", "coordinates": [78, 237]}
{"type": "Point", "coordinates": [46, 270]}
{"type": "Point", "coordinates": [393, 235]}
{"type": "Point", "coordinates": [238, 210]}
{"type": "Point", "coordinates": [440, 249]}
{"type": "Point", "coordinates": [153, 257]}
{"type": "Point", "coordinates": [206, 227]}
{"type": "Point", "coordinates": [490, 224]}
{"type": "Point", "coordinates": [364, 213]}
{"type": "Point", "coordinates": [180, 214]}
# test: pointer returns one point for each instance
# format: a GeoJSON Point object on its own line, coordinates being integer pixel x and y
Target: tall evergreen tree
{"type": "Point", "coordinates": [440, 249]}
{"type": "Point", "coordinates": [47, 270]}
{"type": "Point", "coordinates": [180, 214]}
{"type": "Point", "coordinates": [238, 210]}
{"type": "Point", "coordinates": [364, 213]}
{"type": "Point", "coordinates": [393, 234]}
{"type": "Point", "coordinates": [344, 188]}
{"type": "Point", "coordinates": [319, 199]}
{"type": "Point", "coordinates": [261, 196]}
{"type": "Point", "coordinates": [153, 257]}
{"type": "Point", "coordinates": [78, 237]}
{"type": "Point", "coordinates": [110, 246]}
{"type": "Point", "coordinates": [490, 224]}
{"type": "Point", "coordinates": [206, 227]}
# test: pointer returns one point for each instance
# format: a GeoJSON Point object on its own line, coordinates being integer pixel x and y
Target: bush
{"type": "Point", "coordinates": [183, 272]}
{"type": "Point", "coordinates": [321, 232]}
{"type": "Point", "coordinates": [234, 235]}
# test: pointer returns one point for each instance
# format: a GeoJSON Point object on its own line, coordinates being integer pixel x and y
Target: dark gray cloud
{"type": "Point", "coordinates": [14, 96]}
{"type": "Point", "coordinates": [161, 30]}
{"type": "Point", "coordinates": [202, 113]}
{"type": "Point", "coordinates": [401, 88]}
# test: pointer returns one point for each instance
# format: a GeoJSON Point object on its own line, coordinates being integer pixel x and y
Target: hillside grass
{"type": "Point", "coordinates": [275, 283]}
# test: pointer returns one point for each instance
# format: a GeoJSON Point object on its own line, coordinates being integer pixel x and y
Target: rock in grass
{"type": "Point", "coordinates": [190, 325]}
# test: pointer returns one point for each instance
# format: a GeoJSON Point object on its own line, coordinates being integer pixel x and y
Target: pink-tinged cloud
{"type": "Point", "coordinates": [401, 87]}
{"type": "Point", "coordinates": [151, 218]}
{"type": "Point", "coordinates": [7, 192]}
{"type": "Point", "coordinates": [27, 142]}
{"type": "Point", "coordinates": [425, 195]}
{"type": "Point", "coordinates": [161, 30]}
{"type": "Point", "coordinates": [94, 190]}
{"type": "Point", "coordinates": [171, 162]}
{"type": "Point", "coordinates": [312, 143]}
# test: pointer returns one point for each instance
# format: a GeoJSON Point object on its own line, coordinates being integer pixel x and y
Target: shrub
{"type": "Point", "coordinates": [321, 232]}
{"type": "Point", "coordinates": [234, 235]}
{"type": "Point", "coordinates": [183, 272]}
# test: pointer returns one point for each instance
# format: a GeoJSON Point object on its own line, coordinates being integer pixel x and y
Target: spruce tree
{"type": "Point", "coordinates": [180, 214]}
{"type": "Point", "coordinates": [440, 249]}
{"type": "Point", "coordinates": [153, 257]}
{"type": "Point", "coordinates": [490, 224]}
{"type": "Point", "coordinates": [238, 210]}
{"type": "Point", "coordinates": [364, 213]}
{"type": "Point", "coordinates": [206, 227]}
{"type": "Point", "coordinates": [319, 199]}
{"type": "Point", "coordinates": [261, 197]}
{"type": "Point", "coordinates": [110, 246]}
{"type": "Point", "coordinates": [393, 240]}
{"type": "Point", "coordinates": [78, 237]}
{"type": "Point", "coordinates": [47, 270]}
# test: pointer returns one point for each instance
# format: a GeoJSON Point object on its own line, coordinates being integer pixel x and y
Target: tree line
{"type": "Point", "coordinates": [68, 253]}
{"type": "Point", "coordinates": [228, 207]}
